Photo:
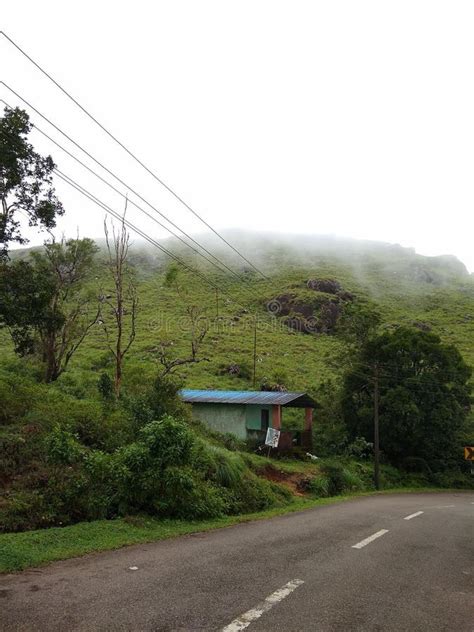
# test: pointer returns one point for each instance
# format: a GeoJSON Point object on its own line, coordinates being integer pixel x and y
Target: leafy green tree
{"type": "Point", "coordinates": [359, 322]}
{"type": "Point", "coordinates": [330, 432]}
{"type": "Point", "coordinates": [45, 305]}
{"type": "Point", "coordinates": [25, 296]}
{"type": "Point", "coordinates": [424, 395]}
{"type": "Point", "coordinates": [25, 181]}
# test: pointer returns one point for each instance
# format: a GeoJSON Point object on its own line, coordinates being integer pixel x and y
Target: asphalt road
{"type": "Point", "coordinates": [295, 572]}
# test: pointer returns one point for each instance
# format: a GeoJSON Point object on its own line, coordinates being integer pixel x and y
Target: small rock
{"type": "Point", "coordinates": [330, 286]}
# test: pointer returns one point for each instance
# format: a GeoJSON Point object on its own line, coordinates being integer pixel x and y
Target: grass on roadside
{"type": "Point", "coordinates": [19, 551]}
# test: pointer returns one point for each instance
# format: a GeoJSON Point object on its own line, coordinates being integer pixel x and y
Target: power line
{"type": "Point", "coordinates": [89, 155]}
{"type": "Point", "coordinates": [423, 381]}
{"type": "Point", "coordinates": [94, 199]}
{"type": "Point", "coordinates": [105, 207]}
{"type": "Point", "coordinates": [111, 186]}
{"type": "Point", "coordinates": [411, 382]}
{"type": "Point", "coordinates": [130, 225]}
{"type": "Point", "coordinates": [130, 153]}
{"type": "Point", "coordinates": [97, 201]}
{"type": "Point", "coordinates": [114, 188]}
{"type": "Point", "coordinates": [91, 197]}
{"type": "Point", "coordinates": [137, 230]}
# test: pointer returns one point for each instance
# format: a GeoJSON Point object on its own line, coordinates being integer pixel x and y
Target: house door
{"type": "Point", "coordinates": [265, 419]}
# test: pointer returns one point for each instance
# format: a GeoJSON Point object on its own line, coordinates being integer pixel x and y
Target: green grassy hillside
{"type": "Point", "coordinates": [434, 292]}
{"type": "Point", "coordinates": [71, 453]}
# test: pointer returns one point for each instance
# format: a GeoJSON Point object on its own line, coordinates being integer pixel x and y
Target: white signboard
{"type": "Point", "coordinates": [272, 438]}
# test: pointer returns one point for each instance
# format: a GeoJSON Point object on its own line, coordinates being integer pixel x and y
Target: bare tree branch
{"type": "Point", "coordinates": [124, 300]}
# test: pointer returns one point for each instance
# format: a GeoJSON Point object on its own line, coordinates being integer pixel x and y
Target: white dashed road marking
{"type": "Point", "coordinates": [370, 539]}
{"type": "Point", "coordinates": [414, 515]}
{"type": "Point", "coordinates": [255, 613]}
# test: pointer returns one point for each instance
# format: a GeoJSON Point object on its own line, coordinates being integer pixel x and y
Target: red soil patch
{"type": "Point", "coordinates": [296, 482]}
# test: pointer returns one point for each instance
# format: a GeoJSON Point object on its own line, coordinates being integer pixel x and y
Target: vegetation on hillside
{"type": "Point", "coordinates": [96, 339]}
{"type": "Point", "coordinates": [424, 397]}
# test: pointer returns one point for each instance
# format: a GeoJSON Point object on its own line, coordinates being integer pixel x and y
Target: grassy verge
{"type": "Point", "coordinates": [19, 551]}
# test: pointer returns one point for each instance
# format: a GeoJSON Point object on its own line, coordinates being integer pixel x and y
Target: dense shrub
{"type": "Point", "coordinates": [415, 464]}
{"type": "Point", "coordinates": [167, 471]}
{"type": "Point", "coordinates": [345, 476]}
{"type": "Point", "coordinates": [360, 448]}
{"type": "Point", "coordinates": [154, 473]}
{"type": "Point", "coordinates": [24, 510]}
{"type": "Point", "coordinates": [255, 494]}
{"type": "Point", "coordinates": [226, 469]}
{"type": "Point", "coordinates": [13, 445]}
{"type": "Point", "coordinates": [63, 448]}
{"type": "Point", "coordinates": [319, 486]}
{"type": "Point", "coordinates": [340, 478]}
{"type": "Point", "coordinates": [17, 394]}
{"type": "Point", "coordinates": [231, 442]}
{"type": "Point", "coordinates": [453, 480]}
{"type": "Point", "coordinates": [66, 458]}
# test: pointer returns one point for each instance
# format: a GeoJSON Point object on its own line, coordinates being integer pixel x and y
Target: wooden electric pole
{"type": "Point", "coordinates": [376, 429]}
{"type": "Point", "coordinates": [255, 350]}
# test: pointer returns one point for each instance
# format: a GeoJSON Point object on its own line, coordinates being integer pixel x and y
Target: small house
{"type": "Point", "coordinates": [248, 414]}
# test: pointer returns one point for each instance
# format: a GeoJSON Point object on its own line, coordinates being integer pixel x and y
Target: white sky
{"type": "Point", "coordinates": [348, 117]}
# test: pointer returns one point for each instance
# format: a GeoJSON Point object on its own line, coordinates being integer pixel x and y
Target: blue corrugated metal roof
{"type": "Point", "coordinates": [247, 397]}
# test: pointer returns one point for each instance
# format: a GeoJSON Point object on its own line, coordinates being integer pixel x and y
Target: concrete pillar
{"type": "Point", "coordinates": [308, 418]}
{"type": "Point", "coordinates": [276, 417]}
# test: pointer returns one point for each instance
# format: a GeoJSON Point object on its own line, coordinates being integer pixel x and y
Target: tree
{"type": "Point", "coordinates": [423, 393]}
{"type": "Point", "coordinates": [198, 327]}
{"type": "Point", "coordinates": [359, 323]}
{"type": "Point", "coordinates": [122, 299]}
{"type": "Point", "coordinates": [69, 317]}
{"type": "Point", "coordinates": [44, 304]}
{"type": "Point", "coordinates": [25, 295]}
{"type": "Point", "coordinates": [25, 181]}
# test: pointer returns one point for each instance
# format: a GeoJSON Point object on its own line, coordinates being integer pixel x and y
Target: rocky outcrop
{"type": "Point", "coordinates": [315, 309]}
{"type": "Point", "coordinates": [329, 286]}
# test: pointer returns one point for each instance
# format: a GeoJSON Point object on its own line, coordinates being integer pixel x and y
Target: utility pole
{"type": "Point", "coordinates": [217, 302]}
{"type": "Point", "coordinates": [255, 350]}
{"type": "Point", "coordinates": [376, 429]}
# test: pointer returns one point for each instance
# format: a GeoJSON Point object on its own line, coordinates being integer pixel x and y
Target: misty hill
{"type": "Point", "coordinates": [433, 293]}
{"type": "Point", "coordinates": [302, 251]}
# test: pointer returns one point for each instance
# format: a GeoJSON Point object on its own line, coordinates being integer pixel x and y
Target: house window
{"type": "Point", "coordinates": [264, 419]}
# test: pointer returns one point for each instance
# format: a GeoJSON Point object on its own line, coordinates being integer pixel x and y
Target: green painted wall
{"type": "Point", "coordinates": [234, 418]}
{"type": "Point", "coordinates": [254, 418]}
{"type": "Point", "coordinates": [223, 417]}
